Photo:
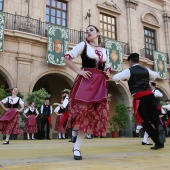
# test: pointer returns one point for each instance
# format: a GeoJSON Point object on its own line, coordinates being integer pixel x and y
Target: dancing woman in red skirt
{"type": "Point", "coordinates": [9, 120]}
{"type": "Point", "coordinates": [31, 114]}
{"type": "Point", "coordinates": [89, 98]}
{"type": "Point", "coordinates": [62, 114]}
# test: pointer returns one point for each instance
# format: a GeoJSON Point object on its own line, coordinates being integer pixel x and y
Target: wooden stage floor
{"type": "Point", "coordinates": [98, 154]}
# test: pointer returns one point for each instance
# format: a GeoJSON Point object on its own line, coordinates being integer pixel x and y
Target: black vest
{"type": "Point", "coordinates": [139, 79]}
{"type": "Point", "coordinates": [13, 105]}
{"type": "Point", "coordinates": [30, 112]}
{"type": "Point", "coordinates": [88, 62]}
{"type": "Point", "coordinates": [46, 110]}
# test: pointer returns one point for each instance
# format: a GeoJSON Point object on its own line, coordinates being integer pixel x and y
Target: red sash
{"type": "Point", "coordinates": [136, 103]}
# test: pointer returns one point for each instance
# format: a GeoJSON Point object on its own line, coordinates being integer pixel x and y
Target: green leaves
{"type": "Point", "coordinates": [119, 120]}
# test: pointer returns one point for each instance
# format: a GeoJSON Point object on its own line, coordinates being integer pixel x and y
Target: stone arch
{"type": "Point", "coordinates": [60, 73]}
{"type": "Point", "coordinates": [120, 94]}
{"type": "Point", "coordinates": [164, 91]}
{"type": "Point", "coordinates": [7, 77]}
{"type": "Point", "coordinates": [151, 18]}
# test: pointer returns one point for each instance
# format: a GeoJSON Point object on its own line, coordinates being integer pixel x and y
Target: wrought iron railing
{"type": "Point", "coordinates": [33, 26]}
{"type": "Point", "coordinates": [148, 53]}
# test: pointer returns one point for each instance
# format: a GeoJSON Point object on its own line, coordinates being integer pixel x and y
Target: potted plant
{"type": "Point", "coordinates": [113, 128]}
{"type": "Point", "coordinates": [121, 118]}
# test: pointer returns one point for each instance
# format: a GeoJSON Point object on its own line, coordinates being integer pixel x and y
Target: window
{"type": "Point", "coordinates": [150, 42]}
{"type": "Point", "coordinates": [108, 26]}
{"type": "Point", "coordinates": [56, 12]}
{"type": "Point", "coordinates": [1, 5]}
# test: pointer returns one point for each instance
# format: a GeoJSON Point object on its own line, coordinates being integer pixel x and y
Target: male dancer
{"type": "Point", "coordinates": [167, 108]}
{"type": "Point", "coordinates": [157, 95]}
{"type": "Point", "coordinates": [145, 108]}
{"type": "Point", "coordinates": [46, 111]}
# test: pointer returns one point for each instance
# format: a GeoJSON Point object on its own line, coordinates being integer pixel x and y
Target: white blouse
{"type": "Point", "coordinates": [32, 110]}
{"type": "Point", "coordinates": [64, 105]}
{"type": "Point", "coordinates": [125, 75]}
{"type": "Point", "coordinates": [90, 52]}
{"type": "Point", "coordinates": [13, 100]}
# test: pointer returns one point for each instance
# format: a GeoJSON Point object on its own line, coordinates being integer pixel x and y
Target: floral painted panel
{"type": "Point", "coordinates": [160, 64]}
{"type": "Point", "coordinates": [2, 27]}
{"type": "Point", "coordinates": [57, 44]}
{"type": "Point", "coordinates": [114, 50]}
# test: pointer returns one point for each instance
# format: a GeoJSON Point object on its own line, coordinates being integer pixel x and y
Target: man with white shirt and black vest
{"type": "Point", "coordinates": [46, 111]}
{"type": "Point", "coordinates": [167, 108]}
{"type": "Point", "coordinates": [145, 108]}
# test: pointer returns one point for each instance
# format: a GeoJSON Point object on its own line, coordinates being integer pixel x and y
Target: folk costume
{"type": "Point", "coordinates": [9, 120]}
{"type": "Point", "coordinates": [31, 123]}
{"type": "Point", "coordinates": [157, 95]}
{"type": "Point", "coordinates": [167, 108]}
{"type": "Point", "coordinates": [88, 98]}
{"type": "Point", "coordinates": [46, 111]}
{"type": "Point", "coordinates": [61, 117]}
{"type": "Point", "coordinates": [145, 108]}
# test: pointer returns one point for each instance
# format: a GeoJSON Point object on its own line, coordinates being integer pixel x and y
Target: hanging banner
{"type": "Point", "coordinates": [2, 27]}
{"type": "Point", "coordinates": [114, 50]}
{"type": "Point", "coordinates": [57, 44]}
{"type": "Point", "coordinates": [160, 64]}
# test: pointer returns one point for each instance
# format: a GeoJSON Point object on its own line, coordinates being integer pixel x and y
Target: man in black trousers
{"type": "Point", "coordinates": [46, 111]}
{"type": "Point", "coordinates": [145, 107]}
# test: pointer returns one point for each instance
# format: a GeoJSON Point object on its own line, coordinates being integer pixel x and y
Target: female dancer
{"type": "Point", "coordinates": [88, 98]}
{"type": "Point", "coordinates": [61, 114]}
{"type": "Point", "coordinates": [31, 114]}
{"type": "Point", "coordinates": [9, 120]}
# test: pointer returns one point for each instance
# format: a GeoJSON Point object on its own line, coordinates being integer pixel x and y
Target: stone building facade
{"type": "Point", "coordinates": [133, 22]}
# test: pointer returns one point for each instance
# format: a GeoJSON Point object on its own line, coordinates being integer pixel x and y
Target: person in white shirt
{"type": "Point", "coordinates": [9, 120]}
{"type": "Point", "coordinates": [145, 109]}
{"type": "Point", "coordinates": [46, 111]}
{"type": "Point", "coordinates": [167, 108]}
{"type": "Point", "coordinates": [62, 114]}
{"type": "Point", "coordinates": [30, 114]}
{"type": "Point", "coordinates": [157, 95]}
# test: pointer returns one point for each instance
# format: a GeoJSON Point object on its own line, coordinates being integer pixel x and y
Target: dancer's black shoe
{"type": "Point", "coordinates": [77, 157]}
{"type": "Point", "coordinates": [6, 142]}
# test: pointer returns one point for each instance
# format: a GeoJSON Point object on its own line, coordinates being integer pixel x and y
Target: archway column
{"type": "Point", "coordinates": [131, 6]}
{"type": "Point", "coordinates": [23, 74]}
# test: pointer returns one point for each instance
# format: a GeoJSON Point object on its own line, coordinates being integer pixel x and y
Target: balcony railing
{"type": "Point", "coordinates": [33, 26]}
{"type": "Point", "coordinates": [148, 53]}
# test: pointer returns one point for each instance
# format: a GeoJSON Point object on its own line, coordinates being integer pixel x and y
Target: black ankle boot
{"type": "Point", "coordinates": [73, 139]}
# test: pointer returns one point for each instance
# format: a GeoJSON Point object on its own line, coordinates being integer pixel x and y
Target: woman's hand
{"type": "Point", "coordinates": [55, 104]}
{"type": "Point", "coordinates": [6, 109]}
{"type": "Point", "coordinates": [85, 74]}
{"type": "Point", "coordinates": [107, 75]}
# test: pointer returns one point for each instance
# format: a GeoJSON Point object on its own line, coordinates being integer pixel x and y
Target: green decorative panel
{"type": "Point", "coordinates": [57, 44]}
{"type": "Point", "coordinates": [2, 27]}
{"type": "Point", "coordinates": [160, 64]}
{"type": "Point", "coordinates": [114, 50]}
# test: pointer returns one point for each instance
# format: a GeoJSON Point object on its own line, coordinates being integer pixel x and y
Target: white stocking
{"type": "Point", "coordinates": [28, 136]}
{"type": "Point", "coordinates": [7, 137]}
{"type": "Point", "coordinates": [145, 137]}
{"type": "Point", "coordinates": [32, 135]}
{"type": "Point", "coordinates": [74, 133]}
{"type": "Point", "coordinates": [78, 143]}
{"type": "Point", "coordinates": [63, 135]}
{"type": "Point", "coordinates": [59, 135]}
